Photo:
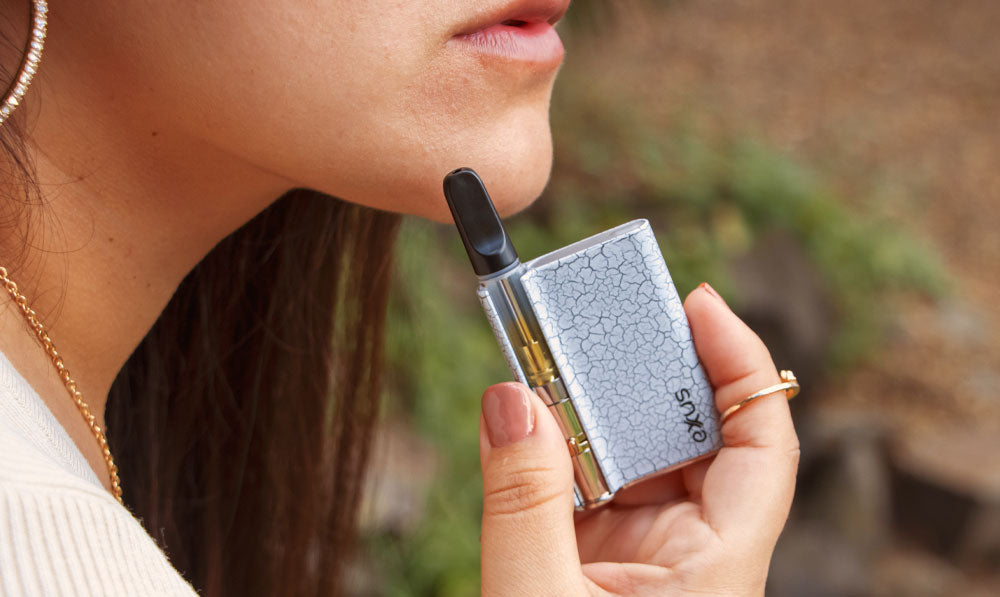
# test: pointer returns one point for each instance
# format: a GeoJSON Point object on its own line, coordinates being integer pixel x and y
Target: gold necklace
{"type": "Point", "coordinates": [29, 314]}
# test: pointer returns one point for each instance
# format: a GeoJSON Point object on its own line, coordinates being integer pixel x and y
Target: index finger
{"type": "Point", "coordinates": [747, 490]}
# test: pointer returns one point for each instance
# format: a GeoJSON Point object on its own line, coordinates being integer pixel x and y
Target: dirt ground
{"type": "Point", "coordinates": [898, 95]}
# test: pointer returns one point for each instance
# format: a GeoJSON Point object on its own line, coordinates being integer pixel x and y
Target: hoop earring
{"type": "Point", "coordinates": [29, 64]}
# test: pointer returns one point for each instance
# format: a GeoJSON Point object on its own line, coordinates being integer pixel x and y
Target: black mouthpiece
{"type": "Point", "coordinates": [487, 243]}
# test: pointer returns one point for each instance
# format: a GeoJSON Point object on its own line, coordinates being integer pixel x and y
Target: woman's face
{"type": "Point", "coordinates": [373, 101]}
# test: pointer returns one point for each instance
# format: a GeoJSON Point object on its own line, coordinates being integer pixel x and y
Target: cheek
{"type": "Point", "coordinates": [362, 100]}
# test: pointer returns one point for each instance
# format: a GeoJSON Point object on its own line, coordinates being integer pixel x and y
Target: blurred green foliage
{"type": "Point", "coordinates": [710, 198]}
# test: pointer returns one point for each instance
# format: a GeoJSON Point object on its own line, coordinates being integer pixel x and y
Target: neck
{"type": "Point", "coordinates": [129, 206]}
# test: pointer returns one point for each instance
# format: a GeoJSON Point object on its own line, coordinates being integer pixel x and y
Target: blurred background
{"type": "Point", "coordinates": [831, 168]}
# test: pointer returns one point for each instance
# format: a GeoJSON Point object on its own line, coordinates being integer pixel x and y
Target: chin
{"type": "Point", "coordinates": [516, 173]}
{"type": "Point", "coordinates": [513, 184]}
{"type": "Point", "coordinates": [400, 165]}
{"type": "Point", "coordinates": [512, 189]}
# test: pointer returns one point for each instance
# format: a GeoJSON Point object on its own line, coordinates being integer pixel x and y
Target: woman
{"type": "Point", "coordinates": [192, 307]}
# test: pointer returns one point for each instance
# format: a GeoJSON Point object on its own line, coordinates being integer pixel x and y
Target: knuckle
{"type": "Point", "coordinates": [523, 490]}
{"type": "Point", "coordinates": [794, 450]}
{"type": "Point", "coordinates": [794, 455]}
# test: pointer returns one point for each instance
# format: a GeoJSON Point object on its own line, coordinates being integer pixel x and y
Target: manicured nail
{"type": "Point", "coordinates": [508, 415]}
{"type": "Point", "coordinates": [711, 291]}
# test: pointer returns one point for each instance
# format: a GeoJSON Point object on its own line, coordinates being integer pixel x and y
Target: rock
{"type": "Point", "coordinates": [782, 297]}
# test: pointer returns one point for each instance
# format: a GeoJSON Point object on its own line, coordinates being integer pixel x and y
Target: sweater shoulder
{"type": "Point", "coordinates": [60, 531]}
{"type": "Point", "coordinates": [60, 535]}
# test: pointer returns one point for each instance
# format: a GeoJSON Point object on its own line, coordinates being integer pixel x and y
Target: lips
{"type": "Point", "coordinates": [518, 13]}
{"type": "Point", "coordinates": [519, 31]}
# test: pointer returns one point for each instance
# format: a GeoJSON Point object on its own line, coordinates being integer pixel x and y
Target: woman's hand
{"type": "Point", "coordinates": [708, 529]}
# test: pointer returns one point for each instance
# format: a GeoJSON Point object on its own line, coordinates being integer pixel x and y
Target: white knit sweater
{"type": "Point", "coordinates": [61, 533]}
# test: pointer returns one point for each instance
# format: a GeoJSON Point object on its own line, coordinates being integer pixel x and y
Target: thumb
{"type": "Point", "coordinates": [528, 540]}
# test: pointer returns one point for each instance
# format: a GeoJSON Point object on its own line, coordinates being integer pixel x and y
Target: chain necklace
{"type": "Point", "coordinates": [29, 66]}
{"type": "Point", "coordinates": [29, 314]}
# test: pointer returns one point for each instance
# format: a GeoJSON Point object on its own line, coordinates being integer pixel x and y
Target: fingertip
{"type": "Point", "coordinates": [726, 346]}
{"type": "Point", "coordinates": [704, 305]}
{"type": "Point", "coordinates": [506, 387]}
{"type": "Point", "coordinates": [508, 413]}
{"type": "Point", "coordinates": [704, 292]}
{"type": "Point", "coordinates": [513, 413]}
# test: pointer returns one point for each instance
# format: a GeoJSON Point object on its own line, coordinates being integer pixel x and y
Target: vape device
{"type": "Point", "coordinates": [598, 331]}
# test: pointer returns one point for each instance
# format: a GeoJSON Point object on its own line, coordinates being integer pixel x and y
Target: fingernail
{"type": "Point", "coordinates": [508, 415]}
{"type": "Point", "coordinates": [711, 291]}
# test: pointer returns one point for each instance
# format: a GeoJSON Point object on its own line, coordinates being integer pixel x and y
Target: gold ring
{"type": "Point", "coordinates": [789, 384]}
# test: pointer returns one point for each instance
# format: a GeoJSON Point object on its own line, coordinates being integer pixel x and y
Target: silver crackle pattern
{"type": "Point", "coordinates": [621, 341]}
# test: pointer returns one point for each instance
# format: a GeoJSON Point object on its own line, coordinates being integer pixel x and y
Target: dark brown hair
{"type": "Point", "coordinates": [242, 422]}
